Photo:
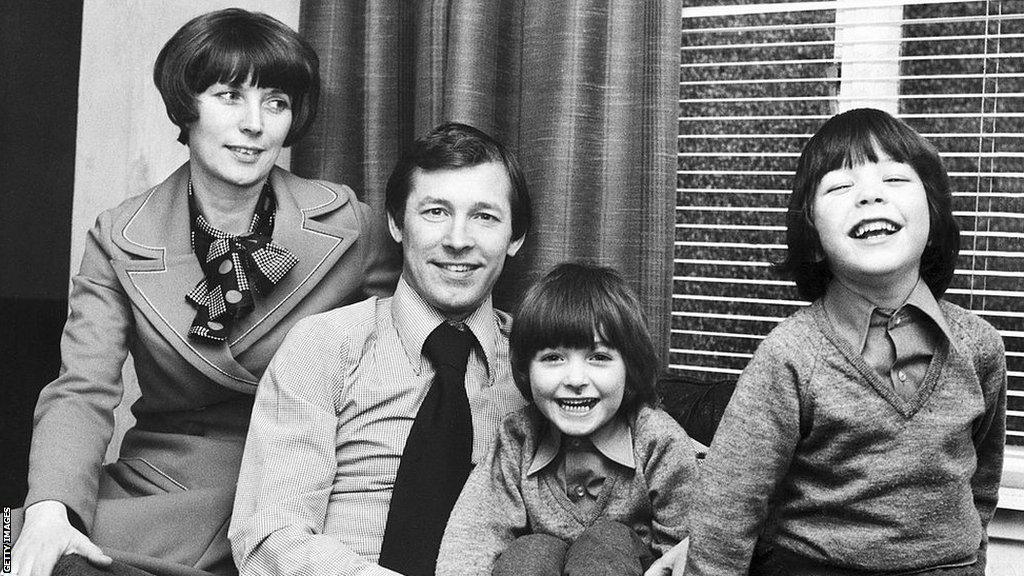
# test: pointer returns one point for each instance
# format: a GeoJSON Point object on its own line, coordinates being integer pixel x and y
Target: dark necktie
{"type": "Point", "coordinates": [435, 462]}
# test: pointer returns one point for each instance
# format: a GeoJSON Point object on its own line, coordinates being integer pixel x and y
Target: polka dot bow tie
{"type": "Point", "coordinates": [234, 268]}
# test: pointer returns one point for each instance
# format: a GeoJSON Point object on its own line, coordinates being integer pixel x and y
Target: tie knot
{"type": "Point", "coordinates": [449, 344]}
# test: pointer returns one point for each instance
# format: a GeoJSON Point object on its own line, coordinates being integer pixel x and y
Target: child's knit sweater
{"type": "Point", "coordinates": [838, 468]}
{"type": "Point", "coordinates": [502, 502]}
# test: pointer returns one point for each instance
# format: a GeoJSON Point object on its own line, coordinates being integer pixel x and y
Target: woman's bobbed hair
{"type": "Point", "coordinates": [234, 46]}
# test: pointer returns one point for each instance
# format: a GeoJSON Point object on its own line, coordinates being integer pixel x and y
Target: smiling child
{"type": "Point", "coordinates": [591, 478]}
{"type": "Point", "coordinates": [866, 434]}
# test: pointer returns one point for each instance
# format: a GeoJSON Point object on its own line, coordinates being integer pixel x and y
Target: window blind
{"type": "Point", "coordinates": [756, 81]}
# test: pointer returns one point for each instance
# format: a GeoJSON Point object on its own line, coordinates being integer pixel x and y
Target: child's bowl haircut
{"type": "Point", "coordinates": [852, 138]}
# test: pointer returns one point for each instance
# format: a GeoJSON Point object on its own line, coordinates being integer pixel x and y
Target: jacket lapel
{"type": "Point", "coordinates": [317, 246]}
{"type": "Point", "coordinates": [166, 269]}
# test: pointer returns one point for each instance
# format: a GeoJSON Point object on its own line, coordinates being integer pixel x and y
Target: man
{"type": "Point", "coordinates": [357, 449]}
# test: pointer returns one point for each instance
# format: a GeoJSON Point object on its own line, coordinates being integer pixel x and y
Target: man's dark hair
{"type": "Point", "coordinates": [453, 145]}
{"type": "Point", "coordinates": [232, 46]}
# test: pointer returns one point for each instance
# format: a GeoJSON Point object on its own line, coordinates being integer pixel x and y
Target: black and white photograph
{"type": "Point", "coordinates": [512, 287]}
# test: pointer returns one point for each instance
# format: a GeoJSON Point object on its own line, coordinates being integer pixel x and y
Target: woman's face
{"type": "Point", "coordinates": [238, 136]}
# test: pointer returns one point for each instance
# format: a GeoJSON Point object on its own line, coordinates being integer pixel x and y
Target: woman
{"type": "Point", "coordinates": [200, 279]}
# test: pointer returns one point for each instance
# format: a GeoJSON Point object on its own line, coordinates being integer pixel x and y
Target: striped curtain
{"type": "Point", "coordinates": [584, 91]}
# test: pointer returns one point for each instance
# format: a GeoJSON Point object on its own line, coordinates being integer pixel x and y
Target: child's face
{"type": "Point", "coordinates": [873, 223]}
{"type": "Point", "coordinates": [578, 390]}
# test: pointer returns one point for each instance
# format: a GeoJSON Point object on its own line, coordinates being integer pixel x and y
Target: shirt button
{"type": "Point", "coordinates": [902, 376]}
{"type": "Point", "coordinates": [580, 491]}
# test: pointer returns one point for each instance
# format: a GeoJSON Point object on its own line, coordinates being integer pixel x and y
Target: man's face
{"type": "Point", "coordinates": [455, 235]}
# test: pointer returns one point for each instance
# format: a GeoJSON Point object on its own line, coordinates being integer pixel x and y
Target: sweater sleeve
{"type": "Point", "coordinates": [750, 454]}
{"type": "Point", "coordinates": [989, 437]}
{"type": "Point", "coordinates": [490, 512]}
{"type": "Point", "coordinates": [671, 472]}
{"type": "Point", "coordinates": [74, 417]}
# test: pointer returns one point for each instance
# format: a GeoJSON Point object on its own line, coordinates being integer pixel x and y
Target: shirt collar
{"type": "Point", "coordinates": [415, 319]}
{"type": "Point", "coordinates": [851, 312]}
{"type": "Point", "coordinates": [922, 299]}
{"type": "Point", "coordinates": [613, 440]}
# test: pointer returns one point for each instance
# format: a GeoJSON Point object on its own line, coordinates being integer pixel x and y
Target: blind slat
{"type": "Point", "coordinates": [712, 353]}
{"type": "Point", "coordinates": [793, 7]}
{"type": "Point", "coordinates": [719, 334]}
{"type": "Point", "coordinates": [820, 98]}
{"type": "Point", "coordinates": [835, 80]}
{"type": "Point", "coordinates": [866, 42]}
{"type": "Point", "coordinates": [727, 316]}
{"type": "Point", "coordinates": [822, 61]}
{"type": "Point", "coordinates": [852, 24]}
{"type": "Point", "coordinates": [823, 117]}
{"type": "Point", "coordinates": [759, 282]}
{"type": "Point", "coordinates": [946, 155]}
{"type": "Point", "coordinates": [765, 301]}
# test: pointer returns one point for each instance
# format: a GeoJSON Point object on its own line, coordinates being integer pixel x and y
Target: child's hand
{"type": "Point", "coordinates": [673, 562]}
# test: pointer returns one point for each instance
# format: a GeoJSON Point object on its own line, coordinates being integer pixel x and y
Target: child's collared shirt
{"type": "Point", "coordinates": [503, 501]}
{"type": "Point", "coordinates": [898, 344]}
{"type": "Point", "coordinates": [581, 465]}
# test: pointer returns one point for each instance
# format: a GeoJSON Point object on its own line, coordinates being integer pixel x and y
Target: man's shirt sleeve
{"type": "Point", "coordinates": [289, 465]}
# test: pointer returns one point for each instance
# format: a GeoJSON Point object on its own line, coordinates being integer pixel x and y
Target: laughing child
{"type": "Point", "coordinates": [866, 434]}
{"type": "Point", "coordinates": [591, 478]}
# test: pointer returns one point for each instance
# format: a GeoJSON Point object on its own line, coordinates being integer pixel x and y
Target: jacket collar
{"type": "Point", "coordinates": [166, 269]}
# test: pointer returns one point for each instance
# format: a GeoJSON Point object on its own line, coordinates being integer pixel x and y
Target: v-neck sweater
{"type": "Point", "coordinates": [818, 455]}
{"type": "Point", "coordinates": [502, 501]}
